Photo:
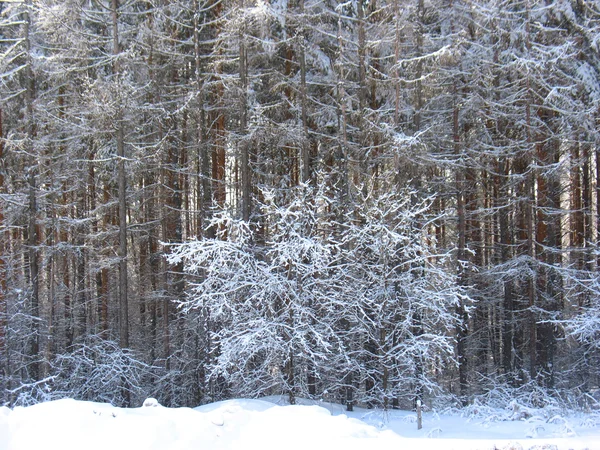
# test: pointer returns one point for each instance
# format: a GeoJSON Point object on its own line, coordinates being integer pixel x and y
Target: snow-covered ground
{"type": "Point", "coordinates": [269, 424]}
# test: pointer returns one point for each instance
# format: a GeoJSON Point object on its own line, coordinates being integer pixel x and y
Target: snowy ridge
{"type": "Point", "coordinates": [270, 424]}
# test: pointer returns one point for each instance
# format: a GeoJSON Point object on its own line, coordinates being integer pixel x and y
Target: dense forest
{"type": "Point", "coordinates": [367, 201]}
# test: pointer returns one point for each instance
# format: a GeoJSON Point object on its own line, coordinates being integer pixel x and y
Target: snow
{"type": "Point", "coordinates": [271, 424]}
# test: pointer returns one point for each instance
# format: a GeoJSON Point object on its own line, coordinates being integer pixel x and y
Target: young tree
{"type": "Point", "coordinates": [405, 298]}
{"type": "Point", "coordinates": [268, 302]}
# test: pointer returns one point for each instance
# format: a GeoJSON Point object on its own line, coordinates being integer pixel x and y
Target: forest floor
{"type": "Point", "coordinates": [269, 424]}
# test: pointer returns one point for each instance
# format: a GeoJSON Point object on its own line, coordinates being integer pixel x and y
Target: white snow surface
{"type": "Point", "coordinates": [270, 424]}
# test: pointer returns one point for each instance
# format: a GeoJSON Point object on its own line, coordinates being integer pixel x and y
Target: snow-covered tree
{"type": "Point", "coordinates": [372, 309]}
{"type": "Point", "coordinates": [406, 295]}
{"type": "Point", "coordinates": [100, 370]}
{"type": "Point", "coordinates": [270, 327]}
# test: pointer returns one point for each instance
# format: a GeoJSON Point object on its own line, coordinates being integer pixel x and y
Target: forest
{"type": "Point", "coordinates": [366, 201]}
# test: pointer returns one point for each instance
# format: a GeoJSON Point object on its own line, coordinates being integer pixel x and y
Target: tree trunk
{"type": "Point", "coordinates": [462, 260]}
{"type": "Point", "coordinates": [122, 194]}
{"type": "Point", "coordinates": [305, 147]}
{"type": "Point", "coordinates": [3, 297]}
{"type": "Point", "coordinates": [245, 162]}
{"type": "Point", "coordinates": [32, 228]}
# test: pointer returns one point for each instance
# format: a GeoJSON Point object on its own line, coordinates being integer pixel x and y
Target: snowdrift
{"type": "Point", "coordinates": [261, 424]}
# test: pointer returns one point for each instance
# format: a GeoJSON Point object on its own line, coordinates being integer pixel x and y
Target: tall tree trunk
{"type": "Point", "coordinates": [122, 192]}
{"type": "Point", "coordinates": [80, 307]}
{"type": "Point", "coordinates": [205, 186]}
{"type": "Point", "coordinates": [506, 245]}
{"type": "Point", "coordinates": [305, 147]}
{"type": "Point", "coordinates": [419, 71]}
{"type": "Point", "coordinates": [122, 199]}
{"type": "Point", "coordinates": [217, 121]}
{"type": "Point", "coordinates": [597, 155]}
{"type": "Point", "coordinates": [461, 257]}
{"type": "Point", "coordinates": [104, 275]}
{"type": "Point", "coordinates": [32, 228]}
{"type": "Point", "coordinates": [548, 244]}
{"type": "Point", "coordinates": [3, 294]}
{"type": "Point", "coordinates": [397, 45]}
{"type": "Point", "coordinates": [529, 205]}
{"type": "Point", "coordinates": [245, 162]}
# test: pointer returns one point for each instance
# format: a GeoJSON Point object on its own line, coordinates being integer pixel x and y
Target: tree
{"type": "Point", "coordinates": [305, 301]}
{"type": "Point", "coordinates": [270, 303]}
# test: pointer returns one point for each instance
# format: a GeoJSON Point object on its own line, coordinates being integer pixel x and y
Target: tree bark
{"type": "Point", "coordinates": [3, 296]}
{"type": "Point", "coordinates": [122, 192]}
{"type": "Point", "coordinates": [305, 148]}
{"type": "Point", "coordinates": [245, 162]}
{"type": "Point", "coordinates": [32, 227]}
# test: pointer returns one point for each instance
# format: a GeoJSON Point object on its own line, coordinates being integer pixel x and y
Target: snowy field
{"type": "Point", "coordinates": [265, 424]}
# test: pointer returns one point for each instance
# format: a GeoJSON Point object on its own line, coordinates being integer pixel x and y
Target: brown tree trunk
{"type": "Point", "coordinates": [205, 192]}
{"type": "Point", "coordinates": [597, 237]}
{"type": "Point", "coordinates": [577, 234]}
{"type": "Point", "coordinates": [3, 297]}
{"type": "Point", "coordinates": [461, 330]}
{"type": "Point", "coordinates": [548, 245]}
{"type": "Point", "coordinates": [122, 200]}
{"type": "Point", "coordinates": [506, 253]}
{"type": "Point", "coordinates": [122, 194]}
{"type": "Point", "coordinates": [32, 228]}
{"type": "Point", "coordinates": [218, 128]}
{"type": "Point", "coordinates": [305, 148]}
{"type": "Point", "coordinates": [245, 162]}
{"type": "Point", "coordinates": [103, 276]}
